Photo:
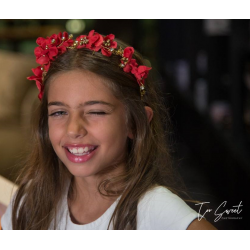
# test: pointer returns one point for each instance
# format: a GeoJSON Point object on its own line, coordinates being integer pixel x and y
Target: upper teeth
{"type": "Point", "coordinates": [79, 150]}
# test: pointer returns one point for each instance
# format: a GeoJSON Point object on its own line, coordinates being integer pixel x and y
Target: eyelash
{"type": "Point", "coordinates": [60, 113]}
{"type": "Point", "coordinates": [97, 113]}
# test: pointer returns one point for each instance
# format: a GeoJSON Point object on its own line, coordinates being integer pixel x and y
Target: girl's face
{"type": "Point", "coordinates": [87, 124]}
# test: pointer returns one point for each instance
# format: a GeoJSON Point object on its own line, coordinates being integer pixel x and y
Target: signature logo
{"type": "Point", "coordinates": [220, 212]}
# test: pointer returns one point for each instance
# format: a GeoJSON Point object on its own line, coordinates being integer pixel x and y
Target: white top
{"type": "Point", "coordinates": [7, 189]}
{"type": "Point", "coordinates": [158, 209]}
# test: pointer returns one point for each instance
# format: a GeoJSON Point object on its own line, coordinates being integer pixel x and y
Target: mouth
{"type": "Point", "coordinates": [80, 151]}
{"type": "Point", "coordinates": [80, 154]}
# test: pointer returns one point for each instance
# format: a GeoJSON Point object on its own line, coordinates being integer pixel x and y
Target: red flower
{"type": "Point", "coordinates": [51, 47]}
{"type": "Point", "coordinates": [96, 40]}
{"type": "Point", "coordinates": [127, 60]}
{"type": "Point", "coordinates": [141, 73]}
{"type": "Point", "coordinates": [82, 41]}
{"type": "Point", "coordinates": [54, 40]}
{"type": "Point", "coordinates": [38, 77]}
{"type": "Point", "coordinates": [45, 53]}
{"type": "Point", "coordinates": [92, 41]}
{"type": "Point", "coordinates": [40, 87]}
{"type": "Point", "coordinates": [37, 73]}
{"type": "Point", "coordinates": [64, 42]}
{"type": "Point", "coordinates": [128, 52]}
{"type": "Point", "coordinates": [130, 66]}
{"type": "Point", "coordinates": [108, 43]}
{"type": "Point", "coordinates": [41, 40]}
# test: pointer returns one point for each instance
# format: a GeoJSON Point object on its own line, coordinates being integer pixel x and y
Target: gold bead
{"type": "Point", "coordinates": [125, 59]}
{"type": "Point", "coordinates": [120, 52]}
{"type": "Point", "coordinates": [143, 92]}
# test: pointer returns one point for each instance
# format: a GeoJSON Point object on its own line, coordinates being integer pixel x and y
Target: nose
{"type": "Point", "coordinates": [76, 127]}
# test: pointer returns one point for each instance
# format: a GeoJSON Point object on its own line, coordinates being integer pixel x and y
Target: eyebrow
{"type": "Point", "coordinates": [88, 103]}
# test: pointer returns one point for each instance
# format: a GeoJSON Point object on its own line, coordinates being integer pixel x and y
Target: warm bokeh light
{"type": "Point", "coordinates": [75, 26]}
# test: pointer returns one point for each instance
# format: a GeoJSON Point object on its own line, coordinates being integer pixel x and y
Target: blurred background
{"type": "Point", "coordinates": [203, 67]}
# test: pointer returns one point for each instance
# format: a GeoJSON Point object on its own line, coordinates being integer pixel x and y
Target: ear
{"type": "Point", "coordinates": [130, 135]}
{"type": "Point", "coordinates": [149, 113]}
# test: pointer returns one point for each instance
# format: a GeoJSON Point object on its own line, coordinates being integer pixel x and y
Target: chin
{"type": "Point", "coordinates": [79, 170]}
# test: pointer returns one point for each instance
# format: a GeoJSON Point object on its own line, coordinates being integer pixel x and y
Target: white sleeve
{"type": "Point", "coordinates": [6, 220]}
{"type": "Point", "coordinates": [160, 209]}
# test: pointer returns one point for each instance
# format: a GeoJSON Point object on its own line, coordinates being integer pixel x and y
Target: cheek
{"type": "Point", "coordinates": [114, 133]}
{"type": "Point", "coordinates": [54, 134]}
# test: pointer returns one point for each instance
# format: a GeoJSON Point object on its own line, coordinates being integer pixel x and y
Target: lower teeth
{"type": "Point", "coordinates": [81, 154]}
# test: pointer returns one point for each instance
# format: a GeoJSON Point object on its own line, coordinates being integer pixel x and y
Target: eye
{"type": "Point", "coordinates": [97, 113]}
{"type": "Point", "coordinates": [58, 113]}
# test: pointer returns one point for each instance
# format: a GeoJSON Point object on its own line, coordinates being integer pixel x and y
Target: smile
{"type": "Point", "coordinates": [80, 154]}
{"type": "Point", "coordinates": [79, 151]}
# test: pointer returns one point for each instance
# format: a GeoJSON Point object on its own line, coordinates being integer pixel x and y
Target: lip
{"type": "Point", "coordinates": [74, 145]}
{"type": "Point", "coordinates": [77, 158]}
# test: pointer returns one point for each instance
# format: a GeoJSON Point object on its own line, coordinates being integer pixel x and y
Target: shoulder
{"type": "Point", "coordinates": [159, 208]}
{"type": "Point", "coordinates": [6, 219]}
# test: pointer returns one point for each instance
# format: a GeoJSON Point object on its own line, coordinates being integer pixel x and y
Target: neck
{"type": "Point", "coordinates": [87, 188]}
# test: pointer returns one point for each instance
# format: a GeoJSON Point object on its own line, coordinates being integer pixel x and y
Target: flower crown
{"type": "Point", "coordinates": [51, 47]}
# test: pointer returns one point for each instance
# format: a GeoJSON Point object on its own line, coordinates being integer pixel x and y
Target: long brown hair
{"type": "Point", "coordinates": [44, 177]}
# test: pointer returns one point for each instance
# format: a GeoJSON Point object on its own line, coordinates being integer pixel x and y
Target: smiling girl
{"type": "Point", "coordinates": [100, 158]}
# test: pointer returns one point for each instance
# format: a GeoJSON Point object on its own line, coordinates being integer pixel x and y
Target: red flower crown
{"type": "Point", "coordinates": [51, 47]}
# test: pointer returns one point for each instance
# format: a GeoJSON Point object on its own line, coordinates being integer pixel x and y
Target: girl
{"type": "Point", "coordinates": [99, 159]}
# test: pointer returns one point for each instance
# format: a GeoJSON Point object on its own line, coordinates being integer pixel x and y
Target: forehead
{"type": "Point", "coordinates": [79, 86]}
